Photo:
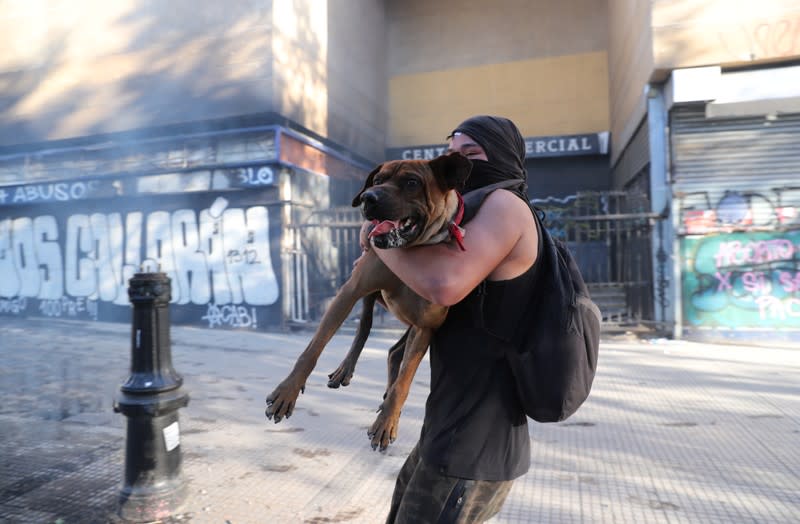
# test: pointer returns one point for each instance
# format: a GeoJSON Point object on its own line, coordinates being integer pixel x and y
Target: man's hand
{"type": "Point", "coordinates": [363, 236]}
{"type": "Point", "coordinates": [363, 240]}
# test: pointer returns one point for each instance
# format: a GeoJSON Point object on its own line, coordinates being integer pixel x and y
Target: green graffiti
{"type": "Point", "coordinates": [742, 280]}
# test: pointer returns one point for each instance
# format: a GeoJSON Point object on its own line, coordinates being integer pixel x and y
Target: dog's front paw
{"type": "Point", "coordinates": [280, 403]}
{"type": "Point", "coordinates": [383, 431]}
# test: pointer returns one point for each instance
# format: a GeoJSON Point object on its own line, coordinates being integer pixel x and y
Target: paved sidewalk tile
{"type": "Point", "coordinates": [674, 432]}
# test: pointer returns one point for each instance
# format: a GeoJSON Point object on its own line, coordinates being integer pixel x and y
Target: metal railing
{"type": "Point", "coordinates": [325, 246]}
{"type": "Point", "coordinates": [296, 263]}
{"type": "Point", "coordinates": [609, 233]}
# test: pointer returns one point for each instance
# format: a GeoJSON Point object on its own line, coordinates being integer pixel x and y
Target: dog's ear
{"type": "Point", "coordinates": [367, 185]}
{"type": "Point", "coordinates": [451, 170]}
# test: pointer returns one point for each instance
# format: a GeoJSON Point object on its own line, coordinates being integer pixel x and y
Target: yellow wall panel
{"type": "Point", "coordinates": [549, 96]}
{"type": "Point", "coordinates": [426, 35]}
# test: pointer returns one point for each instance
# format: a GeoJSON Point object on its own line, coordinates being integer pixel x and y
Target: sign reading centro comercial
{"type": "Point", "coordinates": [535, 147]}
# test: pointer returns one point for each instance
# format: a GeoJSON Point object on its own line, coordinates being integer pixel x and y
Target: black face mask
{"type": "Point", "coordinates": [504, 147]}
{"type": "Point", "coordinates": [484, 173]}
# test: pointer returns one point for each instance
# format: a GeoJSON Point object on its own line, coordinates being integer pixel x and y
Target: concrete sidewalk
{"type": "Point", "coordinates": [673, 432]}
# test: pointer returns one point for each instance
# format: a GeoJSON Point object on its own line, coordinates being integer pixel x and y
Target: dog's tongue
{"type": "Point", "coordinates": [384, 227]}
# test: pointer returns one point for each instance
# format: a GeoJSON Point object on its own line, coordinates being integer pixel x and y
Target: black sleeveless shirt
{"type": "Point", "coordinates": [474, 426]}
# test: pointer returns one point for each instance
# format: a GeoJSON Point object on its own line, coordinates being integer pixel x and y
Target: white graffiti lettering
{"type": "Point", "coordinates": [220, 255]}
{"type": "Point", "coordinates": [230, 316]}
{"type": "Point", "coordinates": [79, 274]}
{"type": "Point", "coordinates": [250, 176]}
{"type": "Point", "coordinates": [58, 192]}
{"type": "Point", "coordinates": [69, 307]}
{"type": "Point", "coordinates": [15, 306]}
{"type": "Point", "coordinates": [9, 283]}
{"type": "Point", "coordinates": [771, 307]}
{"type": "Point", "coordinates": [25, 257]}
{"type": "Point", "coordinates": [45, 235]}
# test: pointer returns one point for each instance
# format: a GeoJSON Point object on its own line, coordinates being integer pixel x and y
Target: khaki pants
{"type": "Point", "coordinates": [422, 495]}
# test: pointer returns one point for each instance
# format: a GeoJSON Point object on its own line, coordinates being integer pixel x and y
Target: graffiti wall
{"type": "Point", "coordinates": [740, 260]}
{"type": "Point", "coordinates": [701, 213]}
{"type": "Point", "coordinates": [742, 280]}
{"type": "Point", "coordinates": [73, 258]}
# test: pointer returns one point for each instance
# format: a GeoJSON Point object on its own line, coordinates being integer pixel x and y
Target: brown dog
{"type": "Point", "coordinates": [410, 203]}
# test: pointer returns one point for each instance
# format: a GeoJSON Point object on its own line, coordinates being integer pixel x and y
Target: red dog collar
{"type": "Point", "coordinates": [455, 231]}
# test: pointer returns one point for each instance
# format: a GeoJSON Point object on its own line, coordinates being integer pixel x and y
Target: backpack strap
{"type": "Point", "coordinates": [474, 199]}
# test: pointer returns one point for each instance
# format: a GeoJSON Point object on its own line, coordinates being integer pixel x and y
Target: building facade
{"type": "Point", "coordinates": [711, 130]}
{"type": "Point", "coordinates": [222, 143]}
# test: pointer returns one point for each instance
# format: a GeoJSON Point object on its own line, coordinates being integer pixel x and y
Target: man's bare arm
{"type": "Point", "coordinates": [443, 274]}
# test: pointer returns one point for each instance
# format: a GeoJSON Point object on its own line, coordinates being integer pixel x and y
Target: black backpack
{"type": "Point", "coordinates": [558, 335]}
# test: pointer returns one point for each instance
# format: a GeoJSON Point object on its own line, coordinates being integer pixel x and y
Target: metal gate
{"type": "Point", "coordinates": [610, 235]}
{"type": "Point", "coordinates": [318, 260]}
{"type": "Point", "coordinates": [608, 232]}
{"type": "Point", "coordinates": [713, 156]}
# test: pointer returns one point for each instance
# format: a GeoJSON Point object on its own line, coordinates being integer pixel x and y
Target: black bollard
{"type": "Point", "coordinates": [150, 398]}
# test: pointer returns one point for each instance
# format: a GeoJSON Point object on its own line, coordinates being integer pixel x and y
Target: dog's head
{"type": "Point", "coordinates": [410, 200]}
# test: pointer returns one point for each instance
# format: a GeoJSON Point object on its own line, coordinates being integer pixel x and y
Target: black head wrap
{"type": "Point", "coordinates": [505, 148]}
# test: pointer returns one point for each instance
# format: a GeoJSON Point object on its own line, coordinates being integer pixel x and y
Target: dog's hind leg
{"type": "Point", "coordinates": [393, 361]}
{"type": "Point", "coordinates": [343, 374]}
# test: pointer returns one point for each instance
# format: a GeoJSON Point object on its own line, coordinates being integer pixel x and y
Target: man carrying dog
{"type": "Point", "coordinates": [474, 440]}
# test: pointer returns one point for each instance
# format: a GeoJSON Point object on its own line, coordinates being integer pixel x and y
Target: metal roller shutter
{"type": "Point", "coordinates": [736, 154]}
{"type": "Point", "coordinates": [736, 187]}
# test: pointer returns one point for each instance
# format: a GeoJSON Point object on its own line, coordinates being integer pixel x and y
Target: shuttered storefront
{"type": "Point", "coordinates": [736, 187]}
{"type": "Point", "coordinates": [740, 154]}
